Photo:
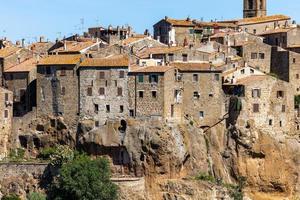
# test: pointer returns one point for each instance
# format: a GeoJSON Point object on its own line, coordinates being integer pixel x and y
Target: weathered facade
{"type": "Point", "coordinates": [255, 8]}
{"type": "Point", "coordinates": [57, 88]}
{"type": "Point", "coordinates": [6, 116]}
{"type": "Point", "coordinates": [261, 101]}
{"type": "Point", "coordinates": [103, 89]}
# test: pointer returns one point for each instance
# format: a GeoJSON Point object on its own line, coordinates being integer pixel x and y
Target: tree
{"type": "Point", "coordinates": [84, 179]}
{"type": "Point", "coordinates": [11, 197]}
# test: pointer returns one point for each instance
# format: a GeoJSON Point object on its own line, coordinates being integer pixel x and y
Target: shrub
{"type": "Point", "coordinates": [46, 153]}
{"type": "Point", "coordinates": [205, 177]}
{"type": "Point", "coordinates": [62, 154]}
{"type": "Point", "coordinates": [17, 154]}
{"type": "Point", "coordinates": [11, 197]}
{"type": "Point", "coordinates": [36, 196]}
{"type": "Point", "coordinates": [83, 178]}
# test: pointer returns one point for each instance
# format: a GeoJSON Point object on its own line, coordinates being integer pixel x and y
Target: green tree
{"type": "Point", "coordinates": [36, 196]}
{"type": "Point", "coordinates": [84, 179]}
{"type": "Point", "coordinates": [11, 197]}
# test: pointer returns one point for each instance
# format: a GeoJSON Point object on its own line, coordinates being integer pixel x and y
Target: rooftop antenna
{"type": "Point", "coordinates": [82, 24]}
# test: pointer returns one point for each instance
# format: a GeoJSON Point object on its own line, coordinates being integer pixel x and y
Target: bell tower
{"type": "Point", "coordinates": [255, 8]}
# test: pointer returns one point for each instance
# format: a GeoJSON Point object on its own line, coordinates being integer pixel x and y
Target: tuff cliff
{"type": "Point", "coordinates": [167, 158]}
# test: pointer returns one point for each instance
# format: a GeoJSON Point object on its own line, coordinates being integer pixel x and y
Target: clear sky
{"type": "Point", "coordinates": [57, 18]}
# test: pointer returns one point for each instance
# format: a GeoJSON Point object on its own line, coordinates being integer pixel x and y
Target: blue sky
{"type": "Point", "coordinates": [57, 18]}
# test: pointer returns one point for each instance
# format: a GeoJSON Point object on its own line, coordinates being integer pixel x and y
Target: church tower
{"type": "Point", "coordinates": [255, 8]}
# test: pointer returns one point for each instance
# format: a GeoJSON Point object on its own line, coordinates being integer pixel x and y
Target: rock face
{"type": "Point", "coordinates": [168, 156]}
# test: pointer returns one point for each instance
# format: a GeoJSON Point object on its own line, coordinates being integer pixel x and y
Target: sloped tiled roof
{"type": "Point", "coordinates": [264, 19]}
{"type": "Point", "coordinates": [252, 78]}
{"type": "Point", "coordinates": [277, 30]}
{"type": "Point", "coordinates": [74, 46]}
{"type": "Point", "coordinates": [194, 66]}
{"type": "Point", "coordinates": [7, 51]}
{"type": "Point", "coordinates": [25, 66]}
{"type": "Point", "coordinates": [61, 60]}
{"type": "Point", "coordinates": [180, 22]}
{"type": "Point", "coordinates": [159, 50]}
{"type": "Point", "coordinates": [133, 39]}
{"type": "Point", "coordinates": [152, 69]}
{"type": "Point", "coordinates": [113, 61]}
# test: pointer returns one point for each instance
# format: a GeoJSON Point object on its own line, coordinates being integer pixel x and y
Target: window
{"type": "Point", "coordinates": [96, 108]}
{"type": "Point", "coordinates": [153, 78]}
{"type": "Point", "coordinates": [254, 31]}
{"type": "Point", "coordinates": [63, 90]}
{"type": "Point", "coordinates": [242, 71]}
{"type": "Point", "coordinates": [294, 60]}
{"type": "Point", "coordinates": [283, 108]}
{"type": "Point", "coordinates": [116, 83]}
{"type": "Point", "coordinates": [102, 75]}
{"type": "Point", "coordinates": [256, 93]}
{"type": "Point", "coordinates": [102, 91]}
{"type": "Point", "coordinates": [121, 108]}
{"type": "Point", "coordinates": [253, 55]}
{"type": "Point", "coordinates": [201, 114]}
{"type": "Point", "coordinates": [120, 92]}
{"type": "Point", "coordinates": [97, 124]}
{"type": "Point", "coordinates": [48, 71]}
{"type": "Point", "coordinates": [63, 71]}
{"type": "Point", "coordinates": [217, 77]}
{"type": "Point", "coordinates": [6, 96]}
{"type": "Point", "coordinates": [280, 94]}
{"type": "Point", "coordinates": [297, 76]}
{"type": "Point", "coordinates": [5, 114]}
{"type": "Point", "coordinates": [280, 123]}
{"type": "Point", "coordinates": [131, 113]}
{"type": "Point", "coordinates": [184, 57]}
{"type": "Point", "coordinates": [196, 95]}
{"type": "Point", "coordinates": [251, 71]}
{"type": "Point", "coordinates": [108, 108]}
{"type": "Point", "coordinates": [195, 77]}
{"type": "Point", "coordinates": [250, 4]}
{"type": "Point", "coordinates": [106, 83]}
{"type": "Point", "coordinates": [171, 57]}
{"type": "Point", "coordinates": [90, 91]}
{"type": "Point", "coordinates": [154, 94]}
{"type": "Point", "coordinates": [141, 94]}
{"type": "Point", "coordinates": [261, 56]}
{"type": "Point", "coordinates": [140, 78]}
{"type": "Point", "coordinates": [122, 74]}
{"type": "Point", "coordinates": [256, 108]}
{"type": "Point", "coordinates": [270, 122]}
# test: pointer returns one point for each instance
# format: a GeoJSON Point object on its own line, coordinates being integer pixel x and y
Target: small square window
{"type": "Point", "coordinates": [122, 74]}
{"type": "Point", "coordinates": [5, 114]}
{"type": "Point", "coordinates": [196, 95]}
{"type": "Point", "coordinates": [131, 113]}
{"type": "Point", "coordinates": [97, 124]}
{"type": "Point", "coordinates": [283, 108]}
{"type": "Point", "coordinates": [153, 78]}
{"type": "Point", "coordinates": [297, 76]}
{"type": "Point", "coordinates": [280, 94]}
{"type": "Point", "coordinates": [140, 78]}
{"type": "Point", "coordinates": [261, 56]}
{"type": "Point", "coordinates": [121, 108]}
{"type": "Point", "coordinates": [270, 122]}
{"type": "Point", "coordinates": [253, 55]}
{"type": "Point", "coordinates": [154, 94]}
{"type": "Point", "coordinates": [63, 91]}
{"type": "Point", "coordinates": [102, 75]}
{"type": "Point", "coordinates": [256, 108]}
{"type": "Point", "coordinates": [96, 108]}
{"type": "Point", "coordinates": [294, 60]}
{"type": "Point", "coordinates": [201, 114]}
{"type": "Point", "coordinates": [184, 57]}
{"type": "Point", "coordinates": [217, 77]}
{"type": "Point", "coordinates": [108, 108]}
{"type": "Point", "coordinates": [242, 71]}
{"type": "Point", "coordinates": [141, 94]}
{"type": "Point", "coordinates": [195, 78]}
{"type": "Point", "coordinates": [102, 91]}
{"type": "Point", "coordinates": [90, 91]}
{"type": "Point", "coordinates": [120, 91]}
{"type": "Point", "coordinates": [256, 93]}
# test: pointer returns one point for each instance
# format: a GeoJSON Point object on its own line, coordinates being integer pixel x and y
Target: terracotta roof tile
{"type": "Point", "coordinates": [252, 78]}
{"type": "Point", "coordinates": [152, 69]}
{"type": "Point", "coordinates": [61, 60]}
{"type": "Point", "coordinates": [113, 61]}
{"type": "Point", "coordinates": [25, 66]}
{"type": "Point", "coordinates": [180, 22]}
{"type": "Point", "coordinates": [74, 46]}
{"type": "Point", "coordinates": [158, 50]}
{"type": "Point", "coordinates": [278, 30]}
{"type": "Point", "coordinates": [194, 66]}
{"type": "Point", "coordinates": [133, 39]}
{"type": "Point", "coordinates": [7, 51]}
{"type": "Point", "coordinates": [255, 20]}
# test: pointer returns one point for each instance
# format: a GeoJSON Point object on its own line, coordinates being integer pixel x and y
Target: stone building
{"type": "Point", "coordinates": [6, 113]}
{"type": "Point", "coordinates": [186, 32]}
{"type": "Point", "coordinates": [199, 90]}
{"type": "Point", "coordinates": [103, 89]}
{"type": "Point", "coordinates": [286, 37]}
{"type": "Point", "coordinates": [111, 35]}
{"type": "Point", "coordinates": [57, 88]}
{"type": "Point", "coordinates": [21, 79]}
{"type": "Point", "coordinates": [285, 64]}
{"type": "Point", "coordinates": [173, 54]}
{"type": "Point", "coordinates": [233, 75]}
{"type": "Point", "coordinates": [255, 8]}
{"type": "Point", "coordinates": [150, 92]}
{"type": "Point", "coordinates": [11, 56]}
{"type": "Point", "coordinates": [262, 101]}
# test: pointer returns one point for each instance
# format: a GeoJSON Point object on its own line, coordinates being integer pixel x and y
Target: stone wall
{"type": "Point", "coordinates": [6, 116]}
{"type": "Point", "coordinates": [89, 78]}
{"type": "Point", "coordinates": [261, 27]}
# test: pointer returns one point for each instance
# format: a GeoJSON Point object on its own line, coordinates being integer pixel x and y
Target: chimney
{"type": "Point", "coordinates": [41, 39]}
{"type": "Point", "coordinates": [23, 43]}
{"type": "Point", "coordinates": [166, 17]}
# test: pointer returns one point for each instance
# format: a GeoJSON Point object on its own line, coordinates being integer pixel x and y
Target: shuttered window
{"type": "Point", "coordinates": [120, 91]}
{"type": "Point", "coordinates": [101, 91]}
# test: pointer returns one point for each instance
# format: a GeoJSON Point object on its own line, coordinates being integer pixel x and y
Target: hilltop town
{"type": "Point", "coordinates": [220, 97]}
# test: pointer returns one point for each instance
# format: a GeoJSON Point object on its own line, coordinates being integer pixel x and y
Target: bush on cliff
{"type": "Point", "coordinates": [84, 178]}
{"type": "Point", "coordinates": [11, 197]}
